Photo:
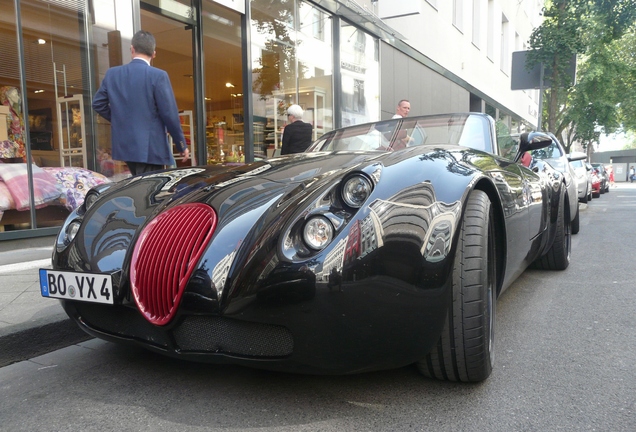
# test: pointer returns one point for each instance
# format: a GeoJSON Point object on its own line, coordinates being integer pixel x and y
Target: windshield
{"type": "Point", "coordinates": [468, 130]}
{"type": "Point", "coordinates": [577, 164]}
{"type": "Point", "coordinates": [550, 152]}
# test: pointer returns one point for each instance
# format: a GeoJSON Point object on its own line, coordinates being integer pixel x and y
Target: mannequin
{"type": "Point", "coordinates": [13, 149]}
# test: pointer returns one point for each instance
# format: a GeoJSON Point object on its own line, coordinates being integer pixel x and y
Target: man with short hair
{"type": "Point", "coordinates": [139, 102]}
{"type": "Point", "coordinates": [402, 110]}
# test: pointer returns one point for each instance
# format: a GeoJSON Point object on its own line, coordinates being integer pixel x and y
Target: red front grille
{"type": "Point", "coordinates": [164, 257]}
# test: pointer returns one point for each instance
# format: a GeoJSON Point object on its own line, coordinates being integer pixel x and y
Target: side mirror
{"type": "Point", "coordinates": [532, 141]}
{"type": "Point", "coordinates": [575, 156]}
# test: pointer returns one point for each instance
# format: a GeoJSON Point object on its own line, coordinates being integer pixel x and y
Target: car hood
{"type": "Point", "coordinates": [241, 194]}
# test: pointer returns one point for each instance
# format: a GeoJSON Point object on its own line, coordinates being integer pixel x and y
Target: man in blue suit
{"type": "Point", "coordinates": [139, 102]}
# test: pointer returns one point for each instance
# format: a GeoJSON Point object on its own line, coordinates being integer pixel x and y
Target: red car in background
{"type": "Point", "coordinates": [596, 181]}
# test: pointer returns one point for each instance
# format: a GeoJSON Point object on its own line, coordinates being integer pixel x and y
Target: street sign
{"type": "Point", "coordinates": [524, 79]}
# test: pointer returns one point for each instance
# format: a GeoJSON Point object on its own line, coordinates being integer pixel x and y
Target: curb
{"type": "Point", "coordinates": [40, 339]}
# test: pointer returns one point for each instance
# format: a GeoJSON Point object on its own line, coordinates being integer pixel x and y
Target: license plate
{"type": "Point", "coordinates": [88, 287]}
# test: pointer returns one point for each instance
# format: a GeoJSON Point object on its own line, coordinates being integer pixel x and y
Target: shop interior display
{"type": "Point", "coordinates": [59, 177]}
{"type": "Point", "coordinates": [225, 141]}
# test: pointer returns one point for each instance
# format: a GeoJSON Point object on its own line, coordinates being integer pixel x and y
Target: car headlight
{"type": "Point", "coordinates": [71, 231]}
{"type": "Point", "coordinates": [318, 232]}
{"type": "Point", "coordinates": [90, 199]}
{"type": "Point", "coordinates": [356, 190]}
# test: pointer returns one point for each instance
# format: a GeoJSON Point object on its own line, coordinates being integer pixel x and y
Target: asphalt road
{"type": "Point", "coordinates": [565, 360]}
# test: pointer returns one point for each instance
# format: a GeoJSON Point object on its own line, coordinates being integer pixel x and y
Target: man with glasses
{"type": "Point", "coordinates": [297, 134]}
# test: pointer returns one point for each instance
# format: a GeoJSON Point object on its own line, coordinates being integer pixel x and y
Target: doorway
{"type": "Point", "coordinates": [175, 56]}
{"type": "Point", "coordinates": [222, 84]}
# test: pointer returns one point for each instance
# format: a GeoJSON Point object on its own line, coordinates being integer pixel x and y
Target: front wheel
{"type": "Point", "coordinates": [558, 256]}
{"type": "Point", "coordinates": [584, 199]}
{"type": "Point", "coordinates": [465, 350]}
{"type": "Point", "coordinates": [576, 221]}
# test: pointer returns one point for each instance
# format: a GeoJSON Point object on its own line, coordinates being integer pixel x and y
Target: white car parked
{"type": "Point", "coordinates": [583, 178]}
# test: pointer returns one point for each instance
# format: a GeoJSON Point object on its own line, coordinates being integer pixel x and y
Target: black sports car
{"type": "Point", "coordinates": [385, 244]}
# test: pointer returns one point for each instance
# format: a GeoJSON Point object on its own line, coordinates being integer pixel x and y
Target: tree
{"type": "Point", "coordinates": [595, 31]}
{"type": "Point", "coordinates": [631, 141]}
{"type": "Point", "coordinates": [277, 61]}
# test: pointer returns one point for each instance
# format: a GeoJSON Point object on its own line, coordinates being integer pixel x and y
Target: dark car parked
{"type": "Point", "coordinates": [555, 155]}
{"type": "Point", "coordinates": [385, 244]}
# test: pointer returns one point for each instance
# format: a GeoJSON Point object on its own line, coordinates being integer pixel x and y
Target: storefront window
{"type": "Point", "coordinates": [360, 69]}
{"type": "Point", "coordinates": [53, 128]}
{"type": "Point", "coordinates": [56, 73]}
{"type": "Point", "coordinates": [292, 64]}
{"type": "Point", "coordinates": [112, 32]}
{"type": "Point", "coordinates": [223, 84]}
{"type": "Point", "coordinates": [314, 69]}
{"type": "Point", "coordinates": [12, 139]}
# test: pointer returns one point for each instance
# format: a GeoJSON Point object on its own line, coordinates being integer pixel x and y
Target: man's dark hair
{"type": "Point", "coordinates": [144, 43]}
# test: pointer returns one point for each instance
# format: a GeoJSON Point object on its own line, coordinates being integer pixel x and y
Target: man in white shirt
{"type": "Point", "coordinates": [403, 108]}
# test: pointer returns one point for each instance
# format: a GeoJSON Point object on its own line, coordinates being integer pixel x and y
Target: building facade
{"type": "Point", "coordinates": [236, 65]}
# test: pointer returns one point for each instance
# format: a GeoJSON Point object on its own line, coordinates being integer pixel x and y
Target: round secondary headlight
{"type": "Point", "coordinates": [93, 195]}
{"type": "Point", "coordinates": [318, 232]}
{"type": "Point", "coordinates": [71, 231]}
{"type": "Point", "coordinates": [90, 199]}
{"type": "Point", "coordinates": [356, 190]}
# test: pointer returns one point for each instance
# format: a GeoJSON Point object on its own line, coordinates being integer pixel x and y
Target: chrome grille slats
{"type": "Point", "coordinates": [164, 257]}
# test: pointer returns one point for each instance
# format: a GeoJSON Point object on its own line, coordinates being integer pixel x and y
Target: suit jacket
{"type": "Point", "coordinates": [139, 102]}
{"type": "Point", "coordinates": [296, 137]}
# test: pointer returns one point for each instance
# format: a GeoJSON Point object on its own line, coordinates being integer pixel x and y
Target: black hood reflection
{"type": "Point", "coordinates": [399, 237]}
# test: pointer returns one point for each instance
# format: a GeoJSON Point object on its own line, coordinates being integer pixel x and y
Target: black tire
{"type": "Point", "coordinates": [590, 195]}
{"type": "Point", "coordinates": [465, 350]}
{"type": "Point", "coordinates": [576, 222]}
{"type": "Point", "coordinates": [558, 256]}
{"type": "Point", "coordinates": [584, 199]}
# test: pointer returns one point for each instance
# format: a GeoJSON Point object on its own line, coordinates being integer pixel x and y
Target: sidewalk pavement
{"type": "Point", "coordinates": [30, 324]}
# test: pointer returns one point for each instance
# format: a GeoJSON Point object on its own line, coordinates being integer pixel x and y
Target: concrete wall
{"type": "Point", "coordinates": [401, 77]}
{"type": "Point", "coordinates": [478, 48]}
{"type": "Point", "coordinates": [621, 160]}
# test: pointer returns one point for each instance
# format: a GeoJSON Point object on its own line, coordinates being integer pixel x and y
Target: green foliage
{"type": "Point", "coordinates": [277, 62]}
{"type": "Point", "coordinates": [631, 141]}
{"type": "Point", "coordinates": [601, 34]}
